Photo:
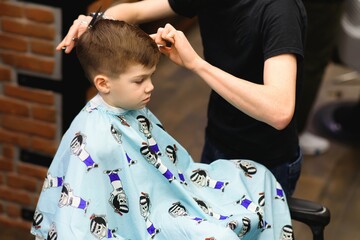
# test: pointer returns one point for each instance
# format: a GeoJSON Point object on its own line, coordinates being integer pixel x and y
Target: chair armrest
{"type": "Point", "coordinates": [308, 212]}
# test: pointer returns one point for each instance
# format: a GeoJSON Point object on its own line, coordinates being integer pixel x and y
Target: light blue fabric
{"type": "Point", "coordinates": [119, 175]}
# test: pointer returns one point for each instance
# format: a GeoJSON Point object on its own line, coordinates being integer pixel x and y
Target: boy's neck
{"type": "Point", "coordinates": [116, 109]}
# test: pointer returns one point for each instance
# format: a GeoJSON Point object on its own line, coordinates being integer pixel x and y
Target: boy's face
{"type": "Point", "coordinates": [132, 89]}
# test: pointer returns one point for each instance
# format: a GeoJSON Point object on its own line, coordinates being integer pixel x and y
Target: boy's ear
{"type": "Point", "coordinates": [102, 84]}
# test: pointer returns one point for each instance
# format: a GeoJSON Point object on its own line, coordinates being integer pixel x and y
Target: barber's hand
{"type": "Point", "coordinates": [79, 27]}
{"type": "Point", "coordinates": [180, 52]}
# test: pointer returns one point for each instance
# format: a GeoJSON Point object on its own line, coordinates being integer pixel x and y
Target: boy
{"type": "Point", "coordinates": [253, 62]}
{"type": "Point", "coordinates": [118, 174]}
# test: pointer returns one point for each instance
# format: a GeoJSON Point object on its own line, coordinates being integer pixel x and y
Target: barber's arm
{"type": "Point", "coordinates": [272, 102]}
{"type": "Point", "coordinates": [136, 12]}
{"type": "Point", "coordinates": [141, 11]}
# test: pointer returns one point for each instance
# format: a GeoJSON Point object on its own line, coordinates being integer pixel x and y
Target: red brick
{"type": "Point", "coordinates": [20, 182]}
{"type": "Point", "coordinates": [29, 94]}
{"type": "Point", "coordinates": [29, 62]}
{"type": "Point", "coordinates": [12, 106]}
{"type": "Point", "coordinates": [44, 146]}
{"type": "Point", "coordinates": [13, 42]}
{"type": "Point", "coordinates": [40, 14]}
{"type": "Point", "coordinates": [17, 223]}
{"type": "Point", "coordinates": [6, 165]}
{"type": "Point", "coordinates": [42, 47]}
{"type": "Point", "coordinates": [44, 113]}
{"type": "Point", "coordinates": [8, 151]}
{"type": "Point", "coordinates": [38, 30]}
{"type": "Point", "coordinates": [32, 170]}
{"type": "Point", "coordinates": [13, 210]}
{"type": "Point", "coordinates": [36, 197]}
{"type": "Point", "coordinates": [14, 138]}
{"type": "Point", "coordinates": [29, 126]}
{"type": "Point", "coordinates": [19, 196]}
{"type": "Point", "coordinates": [10, 9]}
{"type": "Point", "coordinates": [5, 73]}
{"type": "Point", "coordinates": [36, 193]}
{"type": "Point", "coordinates": [2, 180]}
{"type": "Point", "coordinates": [15, 26]}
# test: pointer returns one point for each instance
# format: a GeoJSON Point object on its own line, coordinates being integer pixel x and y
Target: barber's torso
{"type": "Point", "coordinates": [238, 36]}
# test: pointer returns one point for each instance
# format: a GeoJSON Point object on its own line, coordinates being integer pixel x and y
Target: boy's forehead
{"type": "Point", "coordinates": [134, 70]}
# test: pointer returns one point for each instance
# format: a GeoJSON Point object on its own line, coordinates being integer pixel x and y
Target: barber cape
{"type": "Point", "coordinates": [119, 175]}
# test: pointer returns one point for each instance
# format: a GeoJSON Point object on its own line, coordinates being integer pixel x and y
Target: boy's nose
{"type": "Point", "coordinates": [149, 87]}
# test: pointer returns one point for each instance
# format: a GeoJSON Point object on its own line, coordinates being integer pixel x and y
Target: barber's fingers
{"type": "Point", "coordinates": [161, 42]}
{"type": "Point", "coordinates": [167, 36]}
{"type": "Point", "coordinates": [176, 37]}
{"type": "Point", "coordinates": [157, 36]}
{"type": "Point", "coordinates": [75, 31]}
{"type": "Point", "coordinates": [169, 33]}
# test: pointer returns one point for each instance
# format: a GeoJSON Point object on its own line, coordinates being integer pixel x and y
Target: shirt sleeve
{"type": "Point", "coordinates": [283, 30]}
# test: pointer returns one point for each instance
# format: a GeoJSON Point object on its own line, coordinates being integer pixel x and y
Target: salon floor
{"type": "Point", "coordinates": [333, 178]}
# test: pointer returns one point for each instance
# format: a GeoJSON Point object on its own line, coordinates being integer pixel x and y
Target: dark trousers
{"type": "Point", "coordinates": [287, 174]}
{"type": "Point", "coordinates": [323, 27]}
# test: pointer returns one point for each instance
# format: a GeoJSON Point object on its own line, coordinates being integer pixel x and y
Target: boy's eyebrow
{"type": "Point", "coordinates": [143, 75]}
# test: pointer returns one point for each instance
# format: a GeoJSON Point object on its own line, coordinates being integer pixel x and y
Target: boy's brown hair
{"type": "Point", "coordinates": [110, 46]}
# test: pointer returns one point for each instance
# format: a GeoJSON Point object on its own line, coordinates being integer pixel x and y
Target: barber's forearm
{"type": "Point", "coordinates": [261, 102]}
{"type": "Point", "coordinates": [141, 11]}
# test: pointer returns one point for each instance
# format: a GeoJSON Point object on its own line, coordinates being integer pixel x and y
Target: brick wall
{"type": "Point", "coordinates": [28, 116]}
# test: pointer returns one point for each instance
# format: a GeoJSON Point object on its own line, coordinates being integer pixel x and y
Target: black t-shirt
{"type": "Point", "coordinates": [238, 36]}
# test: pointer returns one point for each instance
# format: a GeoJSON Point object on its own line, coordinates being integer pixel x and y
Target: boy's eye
{"type": "Point", "coordinates": [139, 81]}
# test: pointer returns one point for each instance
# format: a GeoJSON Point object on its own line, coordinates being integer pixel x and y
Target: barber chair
{"type": "Point", "coordinates": [314, 215]}
{"type": "Point", "coordinates": [340, 120]}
